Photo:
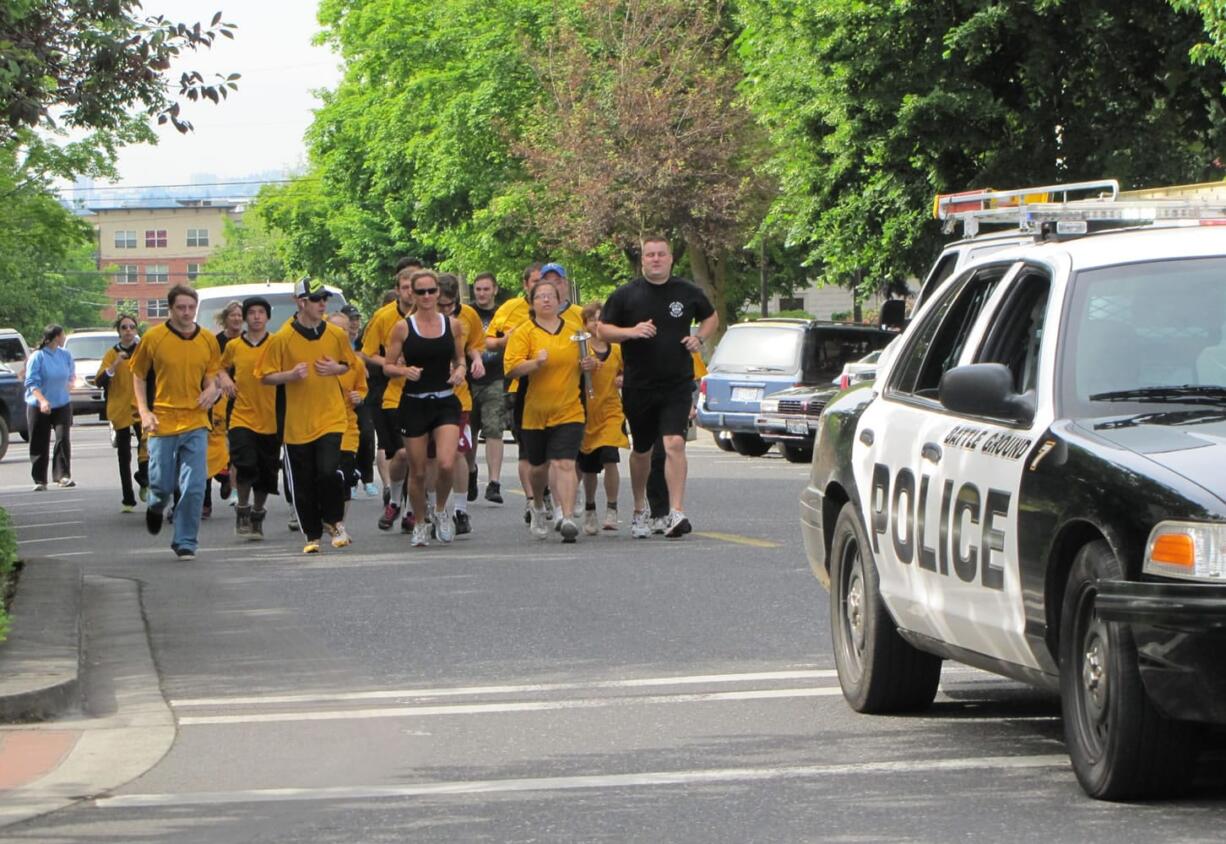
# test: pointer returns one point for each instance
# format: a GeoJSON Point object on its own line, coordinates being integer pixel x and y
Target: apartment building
{"type": "Point", "coordinates": [146, 248]}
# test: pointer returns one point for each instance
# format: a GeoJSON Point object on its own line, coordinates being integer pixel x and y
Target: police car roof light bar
{"type": "Point", "coordinates": [953, 203]}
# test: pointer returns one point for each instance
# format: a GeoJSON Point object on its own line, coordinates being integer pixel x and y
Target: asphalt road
{"type": "Point", "coordinates": [505, 689]}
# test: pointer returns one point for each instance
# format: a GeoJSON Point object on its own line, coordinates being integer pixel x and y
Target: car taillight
{"type": "Point", "coordinates": [702, 386]}
{"type": "Point", "coordinates": [844, 381]}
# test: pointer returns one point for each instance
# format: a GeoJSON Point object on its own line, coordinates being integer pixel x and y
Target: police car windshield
{"type": "Point", "coordinates": [1153, 332]}
{"type": "Point", "coordinates": [759, 349]}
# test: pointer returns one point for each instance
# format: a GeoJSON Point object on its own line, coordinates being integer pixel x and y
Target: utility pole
{"type": "Point", "coordinates": [762, 274]}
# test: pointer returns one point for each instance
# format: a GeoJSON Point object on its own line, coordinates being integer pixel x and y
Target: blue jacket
{"type": "Point", "coordinates": [52, 372]}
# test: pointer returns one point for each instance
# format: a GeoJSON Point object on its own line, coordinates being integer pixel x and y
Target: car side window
{"type": "Point", "coordinates": [940, 339]}
{"type": "Point", "coordinates": [1017, 329]}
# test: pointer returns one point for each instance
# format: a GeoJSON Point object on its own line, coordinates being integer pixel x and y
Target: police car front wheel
{"type": "Point", "coordinates": [878, 671]}
{"type": "Point", "coordinates": [1121, 746]}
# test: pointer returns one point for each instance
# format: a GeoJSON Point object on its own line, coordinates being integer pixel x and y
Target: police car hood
{"type": "Point", "coordinates": [1190, 443]}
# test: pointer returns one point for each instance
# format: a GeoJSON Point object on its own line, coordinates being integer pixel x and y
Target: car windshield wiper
{"type": "Point", "coordinates": [765, 369]}
{"type": "Point", "coordinates": [1187, 393]}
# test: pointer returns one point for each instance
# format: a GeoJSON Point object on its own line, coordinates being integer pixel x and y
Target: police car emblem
{"type": "Point", "coordinates": [675, 310]}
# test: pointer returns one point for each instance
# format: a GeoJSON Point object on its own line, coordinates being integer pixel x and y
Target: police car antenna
{"type": "Point", "coordinates": [1048, 211]}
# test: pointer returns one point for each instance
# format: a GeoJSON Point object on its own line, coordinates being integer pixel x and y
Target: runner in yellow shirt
{"type": "Point", "coordinates": [605, 431]}
{"type": "Point", "coordinates": [115, 377]}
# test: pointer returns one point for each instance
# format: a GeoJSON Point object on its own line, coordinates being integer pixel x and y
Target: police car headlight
{"type": "Point", "coordinates": [770, 405]}
{"type": "Point", "coordinates": [1189, 550]}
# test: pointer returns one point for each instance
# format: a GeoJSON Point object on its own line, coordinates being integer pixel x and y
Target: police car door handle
{"type": "Point", "coordinates": [931, 451]}
{"type": "Point", "coordinates": [866, 436]}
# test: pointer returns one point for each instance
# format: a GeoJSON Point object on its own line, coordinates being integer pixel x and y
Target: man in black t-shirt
{"type": "Point", "coordinates": [651, 318]}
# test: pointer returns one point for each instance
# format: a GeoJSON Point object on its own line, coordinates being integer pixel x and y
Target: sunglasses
{"type": "Point", "coordinates": [425, 291]}
{"type": "Point", "coordinates": [317, 297]}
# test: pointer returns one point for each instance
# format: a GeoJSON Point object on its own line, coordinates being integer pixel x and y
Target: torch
{"type": "Point", "coordinates": [581, 338]}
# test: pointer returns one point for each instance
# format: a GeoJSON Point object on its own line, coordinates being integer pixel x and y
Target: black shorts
{"type": "Point", "coordinates": [387, 430]}
{"type": "Point", "coordinates": [593, 462]}
{"type": "Point", "coordinates": [256, 459]}
{"type": "Point", "coordinates": [656, 413]}
{"type": "Point", "coordinates": [420, 416]}
{"type": "Point", "coordinates": [347, 467]}
{"type": "Point", "coordinates": [516, 414]}
{"type": "Point", "coordinates": [561, 442]}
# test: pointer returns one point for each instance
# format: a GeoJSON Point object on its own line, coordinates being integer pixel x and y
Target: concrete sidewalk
{"type": "Point", "coordinates": [40, 662]}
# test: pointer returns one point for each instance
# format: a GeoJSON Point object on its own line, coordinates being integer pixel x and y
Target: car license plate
{"type": "Point", "coordinates": [798, 426]}
{"type": "Point", "coordinates": [747, 394]}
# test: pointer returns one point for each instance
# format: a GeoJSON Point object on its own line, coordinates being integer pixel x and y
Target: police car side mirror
{"type": "Point", "coordinates": [985, 389]}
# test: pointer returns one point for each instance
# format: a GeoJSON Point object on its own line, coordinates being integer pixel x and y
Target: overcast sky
{"type": "Point", "coordinates": [261, 126]}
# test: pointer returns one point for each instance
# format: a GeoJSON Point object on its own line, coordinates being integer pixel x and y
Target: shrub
{"type": "Point", "coordinates": [8, 561]}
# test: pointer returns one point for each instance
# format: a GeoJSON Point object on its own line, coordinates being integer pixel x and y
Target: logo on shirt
{"type": "Point", "coordinates": [676, 309]}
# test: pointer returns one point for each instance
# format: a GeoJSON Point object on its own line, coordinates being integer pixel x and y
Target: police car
{"type": "Point", "coordinates": [1035, 485]}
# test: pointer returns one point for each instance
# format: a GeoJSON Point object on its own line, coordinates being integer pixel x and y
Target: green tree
{"type": "Point", "coordinates": [875, 106]}
{"type": "Point", "coordinates": [251, 252]}
{"type": "Point", "coordinates": [1213, 12]}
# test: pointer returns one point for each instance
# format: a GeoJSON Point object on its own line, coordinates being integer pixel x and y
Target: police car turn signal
{"type": "Point", "coordinates": [1187, 550]}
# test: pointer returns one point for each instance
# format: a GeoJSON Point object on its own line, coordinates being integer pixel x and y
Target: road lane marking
{"type": "Point", "coordinates": [737, 539]}
{"type": "Point", "coordinates": [467, 691]}
{"type": "Point", "coordinates": [50, 539]}
{"type": "Point", "coordinates": [45, 504]}
{"type": "Point", "coordinates": [713, 776]}
{"type": "Point", "coordinates": [47, 524]}
{"type": "Point", "coordinates": [495, 708]}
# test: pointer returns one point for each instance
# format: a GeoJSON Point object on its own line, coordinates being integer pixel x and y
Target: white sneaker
{"type": "Point", "coordinates": [421, 535]}
{"type": "Point", "coordinates": [340, 536]}
{"type": "Point", "coordinates": [640, 527]}
{"type": "Point", "coordinates": [444, 526]}
{"type": "Point", "coordinates": [610, 519]}
{"type": "Point", "coordinates": [569, 530]}
{"type": "Point", "coordinates": [540, 525]}
{"type": "Point", "coordinates": [658, 526]}
{"type": "Point", "coordinates": [677, 525]}
{"type": "Point", "coordinates": [591, 524]}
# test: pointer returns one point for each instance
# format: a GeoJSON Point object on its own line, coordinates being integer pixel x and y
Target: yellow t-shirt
{"type": "Point", "coordinates": [605, 419]}
{"type": "Point", "coordinates": [255, 405]}
{"type": "Point", "coordinates": [700, 368]}
{"type": "Point", "coordinates": [552, 396]}
{"type": "Point", "coordinates": [374, 342]}
{"type": "Point", "coordinates": [314, 406]}
{"type": "Point", "coordinates": [120, 399]}
{"type": "Point", "coordinates": [354, 379]}
{"type": "Point", "coordinates": [474, 338]}
{"type": "Point", "coordinates": [513, 313]}
{"type": "Point", "coordinates": [179, 366]}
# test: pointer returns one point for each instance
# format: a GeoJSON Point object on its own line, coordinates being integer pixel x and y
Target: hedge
{"type": "Point", "coordinates": [8, 561]}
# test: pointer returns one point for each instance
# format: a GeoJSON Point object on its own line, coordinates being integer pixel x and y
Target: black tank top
{"type": "Point", "coordinates": [433, 355]}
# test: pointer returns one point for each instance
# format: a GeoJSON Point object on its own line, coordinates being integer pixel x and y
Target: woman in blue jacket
{"type": "Point", "coordinates": [48, 406]}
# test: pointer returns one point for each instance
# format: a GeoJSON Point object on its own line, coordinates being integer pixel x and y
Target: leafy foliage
{"type": "Point", "coordinates": [8, 560]}
{"type": "Point", "coordinates": [250, 252]}
{"type": "Point", "coordinates": [1214, 14]}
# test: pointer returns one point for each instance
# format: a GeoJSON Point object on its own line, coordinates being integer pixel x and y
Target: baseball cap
{"type": "Point", "coordinates": [350, 311]}
{"type": "Point", "coordinates": [553, 268]}
{"type": "Point", "coordinates": [256, 302]}
{"type": "Point", "coordinates": [308, 286]}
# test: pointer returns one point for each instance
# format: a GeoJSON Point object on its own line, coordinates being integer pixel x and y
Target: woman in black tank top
{"type": "Point", "coordinates": [427, 350]}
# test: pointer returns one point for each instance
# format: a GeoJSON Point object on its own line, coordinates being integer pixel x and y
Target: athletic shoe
{"type": "Point", "coordinates": [390, 513]}
{"type": "Point", "coordinates": [293, 521]}
{"type": "Point", "coordinates": [408, 522]}
{"type": "Point", "coordinates": [540, 525]}
{"type": "Point", "coordinates": [610, 519]}
{"type": "Point", "coordinates": [153, 521]}
{"type": "Point", "coordinates": [591, 524]}
{"type": "Point", "coordinates": [548, 506]}
{"type": "Point", "coordinates": [472, 484]}
{"type": "Point", "coordinates": [372, 489]}
{"type": "Point", "coordinates": [40, 487]}
{"type": "Point", "coordinates": [462, 523]}
{"type": "Point", "coordinates": [242, 521]}
{"type": "Point", "coordinates": [66, 482]}
{"type": "Point", "coordinates": [311, 547]}
{"type": "Point", "coordinates": [143, 493]}
{"type": "Point", "coordinates": [183, 553]}
{"type": "Point", "coordinates": [640, 527]}
{"type": "Point", "coordinates": [493, 492]}
{"type": "Point", "coordinates": [658, 526]}
{"type": "Point", "coordinates": [678, 525]}
{"type": "Point", "coordinates": [340, 536]}
{"type": "Point", "coordinates": [127, 508]}
{"type": "Point", "coordinates": [528, 514]}
{"type": "Point", "coordinates": [224, 492]}
{"type": "Point", "coordinates": [569, 531]}
{"type": "Point", "coordinates": [444, 527]}
{"type": "Point", "coordinates": [353, 492]}
{"type": "Point", "coordinates": [421, 535]}
{"type": "Point", "coordinates": [257, 525]}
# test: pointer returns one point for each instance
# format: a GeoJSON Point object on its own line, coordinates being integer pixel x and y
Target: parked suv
{"type": "Point", "coordinates": [279, 294]}
{"type": "Point", "coordinates": [760, 358]}
{"type": "Point", "coordinates": [87, 348]}
{"type": "Point", "coordinates": [12, 409]}
{"type": "Point", "coordinates": [14, 352]}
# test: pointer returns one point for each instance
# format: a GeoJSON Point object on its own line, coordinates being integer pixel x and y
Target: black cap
{"type": "Point", "coordinates": [256, 301]}
{"type": "Point", "coordinates": [350, 311]}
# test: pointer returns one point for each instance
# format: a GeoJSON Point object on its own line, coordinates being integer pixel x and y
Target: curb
{"type": "Point", "coordinates": [40, 661]}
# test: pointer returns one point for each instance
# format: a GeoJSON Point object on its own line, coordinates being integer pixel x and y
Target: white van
{"type": "Point", "coordinates": [280, 294]}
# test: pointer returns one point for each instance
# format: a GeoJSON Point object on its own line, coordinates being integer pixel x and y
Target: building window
{"type": "Point", "coordinates": [791, 303]}
{"type": "Point", "coordinates": [156, 309]}
{"type": "Point", "coordinates": [155, 238]}
{"type": "Point", "coordinates": [193, 270]}
{"type": "Point", "coordinates": [197, 237]}
{"type": "Point", "coordinates": [157, 274]}
{"type": "Point", "coordinates": [127, 306]}
{"type": "Point", "coordinates": [125, 240]}
{"type": "Point", "coordinates": [127, 274]}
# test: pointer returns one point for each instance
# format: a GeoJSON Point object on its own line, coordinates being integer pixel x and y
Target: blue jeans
{"type": "Point", "coordinates": [180, 456]}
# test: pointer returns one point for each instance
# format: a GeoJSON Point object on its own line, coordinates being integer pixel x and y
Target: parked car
{"type": "Point", "coordinates": [279, 294]}
{"type": "Point", "coordinates": [12, 408]}
{"type": "Point", "coordinates": [14, 352]}
{"type": "Point", "coordinates": [87, 348]}
{"type": "Point", "coordinates": [758, 359]}
{"type": "Point", "coordinates": [864, 369]}
{"type": "Point", "coordinates": [789, 417]}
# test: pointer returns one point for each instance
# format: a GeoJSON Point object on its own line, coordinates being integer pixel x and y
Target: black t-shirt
{"type": "Point", "coordinates": [491, 360]}
{"type": "Point", "coordinates": [673, 306]}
